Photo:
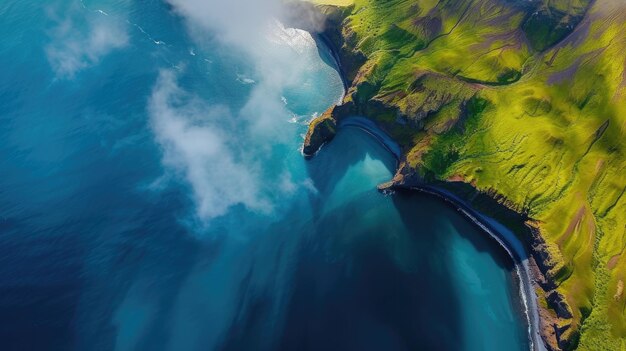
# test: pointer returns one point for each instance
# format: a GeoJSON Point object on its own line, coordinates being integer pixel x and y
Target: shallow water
{"type": "Point", "coordinates": [153, 197]}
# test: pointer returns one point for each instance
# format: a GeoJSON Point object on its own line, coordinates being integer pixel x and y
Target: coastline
{"type": "Point", "coordinates": [505, 238]}
{"type": "Point", "coordinates": [370, 128]}
{"type": "Point", "coordinates": [511, 244]}
{"type": "Point", "coordinates": [332, 50]}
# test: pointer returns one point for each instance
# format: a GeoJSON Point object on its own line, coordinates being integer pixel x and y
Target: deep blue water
{"type": "Point", "coordinates": [153, 197]}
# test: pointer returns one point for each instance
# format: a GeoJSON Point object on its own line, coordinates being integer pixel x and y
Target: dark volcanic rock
{"type": "Point", "coordinates": [556, 300]}
{"type": "Point", "coordinates": [321, 131]}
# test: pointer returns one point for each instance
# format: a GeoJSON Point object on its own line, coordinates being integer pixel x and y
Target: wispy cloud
{"type": "Point", "coordinates": [78, 44]}
{"type": "Point", "coordinates": [237, 22]}
{"type": "Point", "coordinates": [197, 147]}
{"type": "Point", "coordinates": [228, 157]}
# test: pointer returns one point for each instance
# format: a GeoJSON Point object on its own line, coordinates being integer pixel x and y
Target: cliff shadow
{"type": "Point", "coordinates": [350, 146]}
{"type": "Point", "coordinates": [406, 203]}
{"type": "Point", "coordinates": [353, 291]}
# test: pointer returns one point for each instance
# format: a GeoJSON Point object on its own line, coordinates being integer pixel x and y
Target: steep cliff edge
{"type": "Point", "coordinates": [321, 130]}
{"type": "Point", "coordinates": [524, 102]}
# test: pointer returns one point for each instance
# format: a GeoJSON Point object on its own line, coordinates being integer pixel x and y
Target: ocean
{"type": "Point", "coordinates": [153, 197]}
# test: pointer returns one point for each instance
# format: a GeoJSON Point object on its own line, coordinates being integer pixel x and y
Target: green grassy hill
{"type": "Point", "coordinates": [525, 101]}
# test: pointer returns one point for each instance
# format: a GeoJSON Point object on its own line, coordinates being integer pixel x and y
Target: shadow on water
{"type": "Point", "coordinates": [349, 289]}
{"type": "Point", "coordinates": [376, 273]}
{"type": "Point", "coordinates": [325, 169]}
{"type": "Point", "coordinates": [415, 215]}
{"type": "Point", "coordinates": [357, 296]}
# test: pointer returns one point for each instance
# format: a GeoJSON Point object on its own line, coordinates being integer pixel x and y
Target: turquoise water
{"type": "Point", "coordinates": [153, 197]}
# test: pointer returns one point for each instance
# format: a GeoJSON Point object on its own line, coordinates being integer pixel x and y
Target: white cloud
{"type": "Point", "coordinates": [73, 48]}
{"type": "Point", "coordinates": [237, 22]}
{"type": "Point", "coordinates": [228, 158]}
{"type": "Point", "coordinates": [233, 158]}
{"type": "Point", "coordinates": [198, 146]}
{"type": "Point", "coordinates": [251, 27]}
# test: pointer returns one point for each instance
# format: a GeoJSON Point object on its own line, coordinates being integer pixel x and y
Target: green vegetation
{"type": "Point", "coordinates": [334, 2]}
{"type": "Point", "coordinates": [552, 21]}
{"type": "Point", "coordinates": [525, 101]}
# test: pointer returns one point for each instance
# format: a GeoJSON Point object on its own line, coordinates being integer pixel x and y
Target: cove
{"type": "Point", "coordinates": [409, 272]}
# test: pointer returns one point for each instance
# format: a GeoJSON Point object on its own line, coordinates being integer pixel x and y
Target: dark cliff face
{"type": "Point", "coordinates": [321, 131]}
{"type": "Point", "coordinates": [342, 42]}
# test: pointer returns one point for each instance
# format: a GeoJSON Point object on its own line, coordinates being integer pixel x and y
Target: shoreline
{"type": "Point", "coordinates": [511, 244]}
{"type": "Point", "coordinates": [372, 129]}
{"type": "Point", "coordinates": [332, 51]}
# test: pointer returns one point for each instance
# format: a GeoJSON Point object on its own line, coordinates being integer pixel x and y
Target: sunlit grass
{"type": "Point", "coordinates": [333, 2]}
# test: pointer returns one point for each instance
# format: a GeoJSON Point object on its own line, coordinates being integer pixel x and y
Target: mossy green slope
{"type": "Point", "coordinates": [525, 100]}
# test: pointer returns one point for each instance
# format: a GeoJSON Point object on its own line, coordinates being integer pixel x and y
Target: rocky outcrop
{"type": "Point", "coordinates": [321, 130]}
{"type": "Point", "coordinates": [556, 300]}
{"type": "Point", "coordinates": [558, 329]}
